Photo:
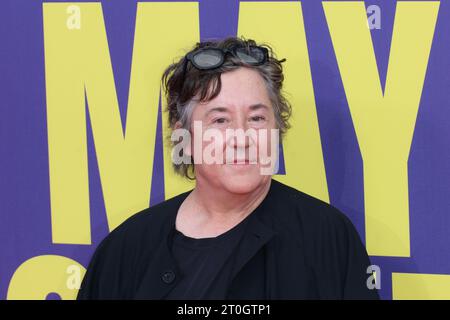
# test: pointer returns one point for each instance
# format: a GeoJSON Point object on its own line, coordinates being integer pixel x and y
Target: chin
{"type": "Point", "coordinates": [243, 183]}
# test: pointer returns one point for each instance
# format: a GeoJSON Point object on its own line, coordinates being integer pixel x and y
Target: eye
{"type": "Point", "coordinates": [257, 118]}
{"type": "Point", "coordinates": [219, 120]}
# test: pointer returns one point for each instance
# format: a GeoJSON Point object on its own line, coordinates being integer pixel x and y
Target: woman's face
{"type": "Point", "coordinates": [243, 105]}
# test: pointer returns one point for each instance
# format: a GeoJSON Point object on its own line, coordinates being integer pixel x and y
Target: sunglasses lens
{"type": "Point", "coordinates": [208, 59]}
{"type": "Point", "coordinates": [251, 55]}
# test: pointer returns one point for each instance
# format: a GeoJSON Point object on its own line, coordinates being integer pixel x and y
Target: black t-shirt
{"type": "Point", "coordinates": [205, 263]}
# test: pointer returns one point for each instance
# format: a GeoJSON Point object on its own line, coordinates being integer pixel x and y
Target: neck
{"type": "Point", "coordinates": [218, 204]}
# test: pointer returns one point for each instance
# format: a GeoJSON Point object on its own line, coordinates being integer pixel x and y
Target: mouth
{"type": "Point", "coordinates": [241, 162]}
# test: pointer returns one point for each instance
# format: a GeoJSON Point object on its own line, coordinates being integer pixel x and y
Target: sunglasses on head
{"type": "Point", "coordinates": [211, 58]}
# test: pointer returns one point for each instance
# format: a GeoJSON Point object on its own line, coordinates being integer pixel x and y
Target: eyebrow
{"type": "Point", "coordinates": [258, 106]}
{"type": "Point", "coordinates": [218, 109]}
{"type": "Point", "coordinates": [253, 107]}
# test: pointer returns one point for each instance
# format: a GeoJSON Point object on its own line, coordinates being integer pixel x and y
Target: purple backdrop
{"type": "Point", "coordinates": [25, 227]}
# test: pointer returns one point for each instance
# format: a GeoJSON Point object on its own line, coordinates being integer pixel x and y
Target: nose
{"type": "Point", "coordinates": [237, 137]}
{"type": "Point", "coordinates": [239, 140]}
{"type": "Point", "coordinates": [240, 143]}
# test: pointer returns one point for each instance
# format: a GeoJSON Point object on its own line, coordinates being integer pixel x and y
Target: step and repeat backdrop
{"type": "Point", "coordinates": [82, 126]}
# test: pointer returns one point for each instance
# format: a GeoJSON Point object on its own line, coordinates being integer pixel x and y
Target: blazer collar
{"type": "Point", "coordinates": [155, 283]}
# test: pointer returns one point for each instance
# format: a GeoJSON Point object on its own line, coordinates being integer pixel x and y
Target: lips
{"type": "Point", "coordinates": [242, 162]}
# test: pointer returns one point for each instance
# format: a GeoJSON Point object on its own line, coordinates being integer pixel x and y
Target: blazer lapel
{"type": "Point", "coordinates": [256, 236]}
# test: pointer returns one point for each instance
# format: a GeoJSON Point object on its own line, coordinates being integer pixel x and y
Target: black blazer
{"type": "Point", "coordinates": [295, 247]}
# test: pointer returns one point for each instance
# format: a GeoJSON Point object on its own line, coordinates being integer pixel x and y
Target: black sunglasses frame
{"type": "Point", "coordinates": [223, 52]}
{"type": "Point", "coordinates": [190, 57]}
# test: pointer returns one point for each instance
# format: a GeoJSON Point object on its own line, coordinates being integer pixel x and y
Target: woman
{"type": "Point", "coordinates": [238, 234]}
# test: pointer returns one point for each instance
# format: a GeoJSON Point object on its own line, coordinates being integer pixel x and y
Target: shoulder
{"type": "Point", "coordinates": [118, 258]}
{"type": "Point", "coordinates": [313, 213]}
{"type": "Point", "coordinates": [138, 235]}
{"type": "Point", "coordinates": [316, 225]}
{"type": "Point", "coordinates": [330, 243]}
{"type": "Point", "coordinates": [147, 226]}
